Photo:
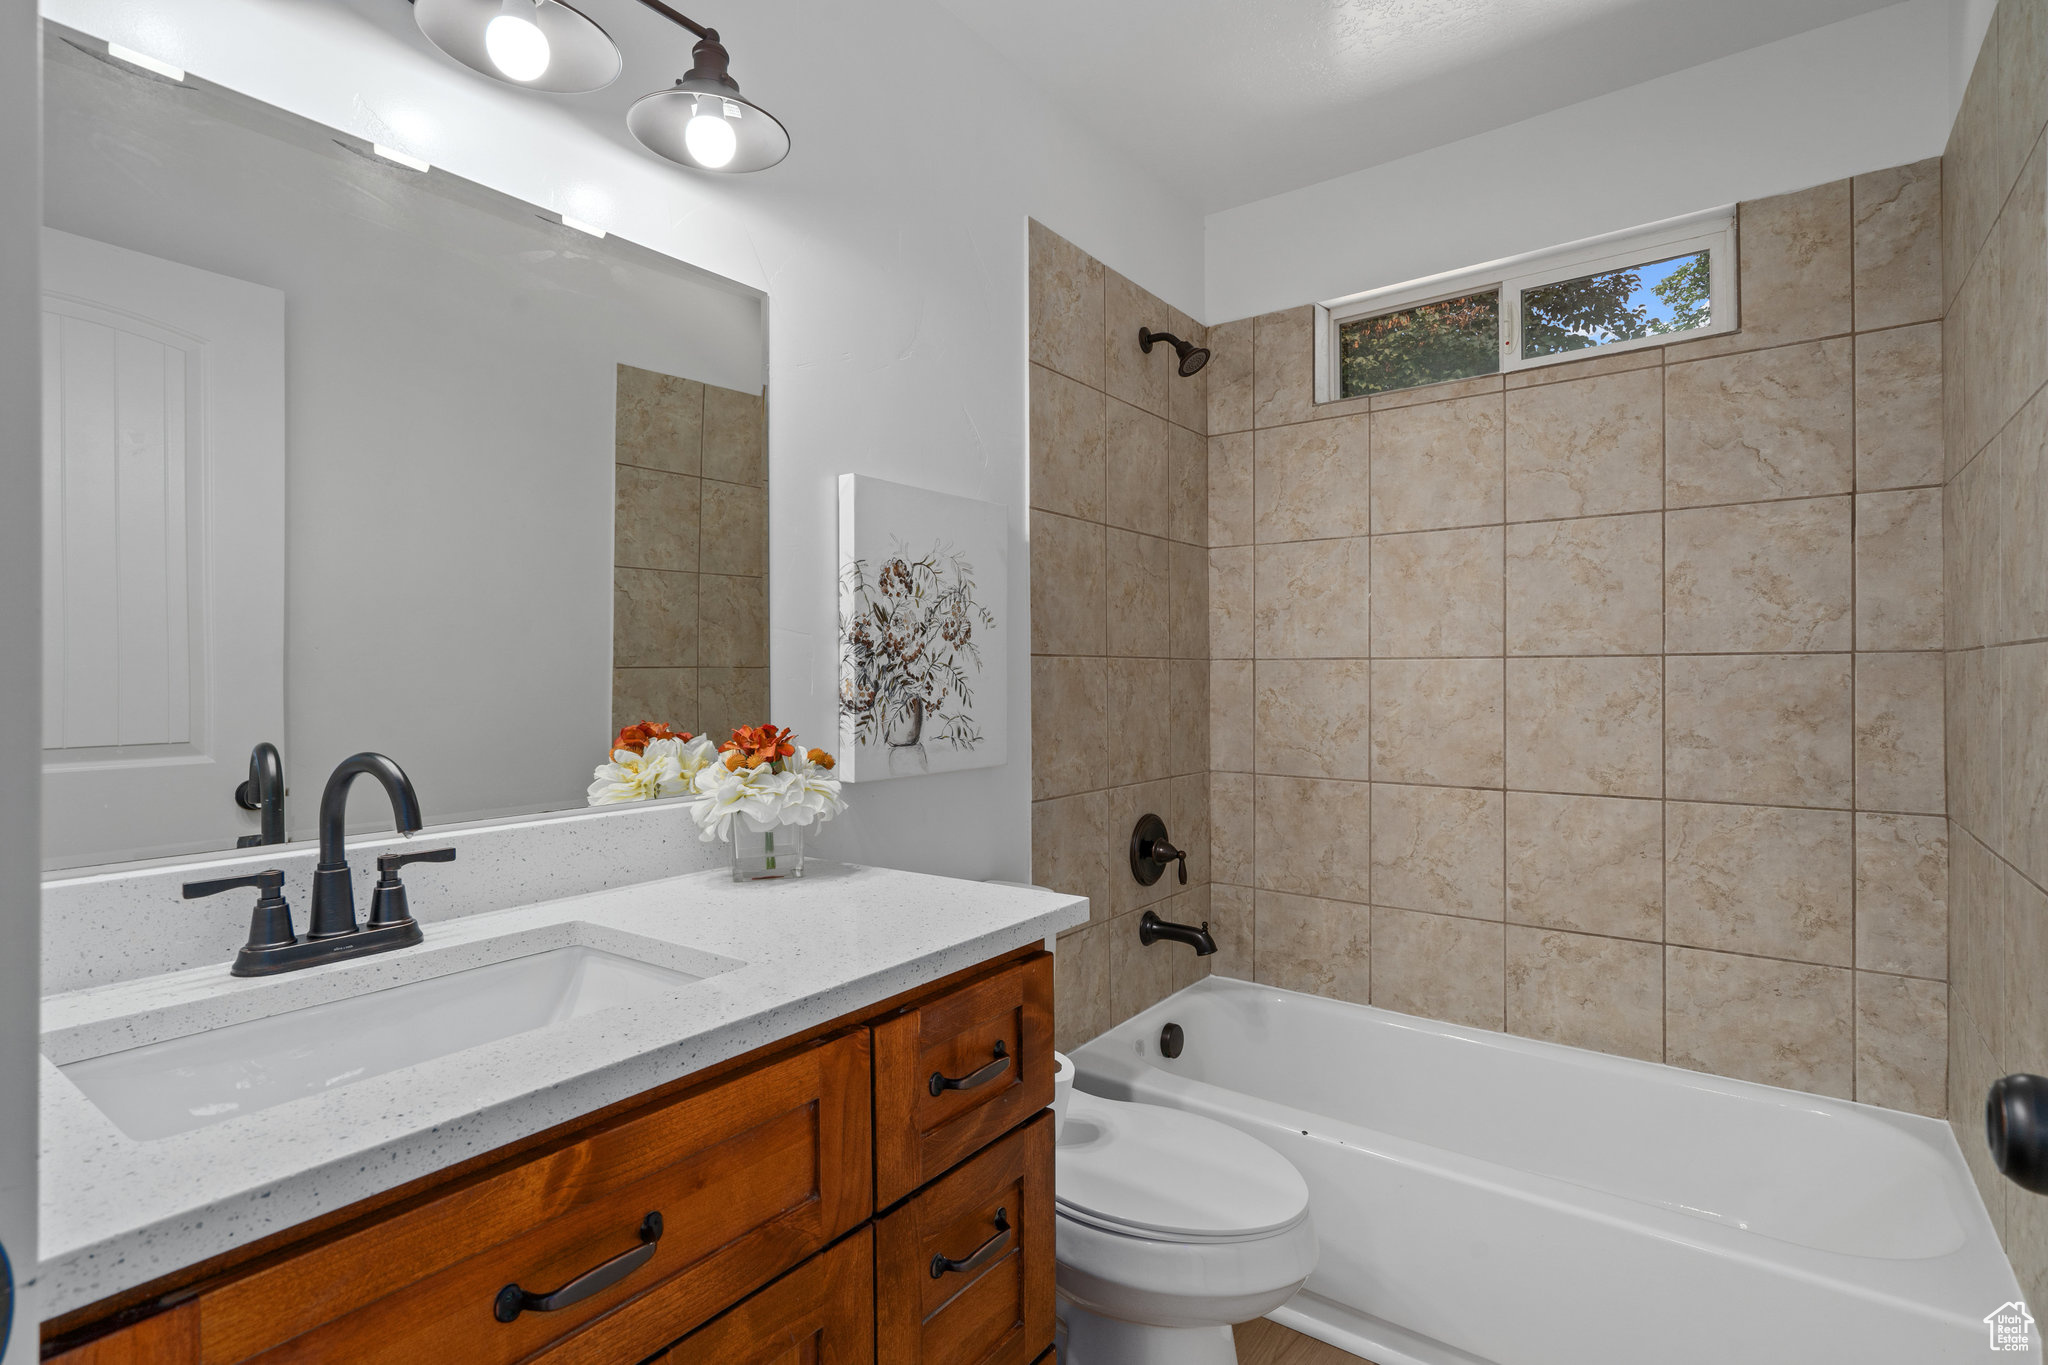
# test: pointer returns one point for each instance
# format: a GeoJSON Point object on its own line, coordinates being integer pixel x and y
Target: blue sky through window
{"type": "Point", "coordinates": [1633, 302]}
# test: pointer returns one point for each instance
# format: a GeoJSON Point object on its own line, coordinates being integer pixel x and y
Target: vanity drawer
{"type": "Point", "coordinates": [749, 1176]}
{"type": "Point", "coordinates": [821, 1313]}
{"type": "Point", "coordinates": [956, 1073]}
{"type": "Point", "coordinates": [964, 1270]}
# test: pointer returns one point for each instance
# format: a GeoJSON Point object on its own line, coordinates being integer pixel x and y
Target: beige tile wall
{"type": "Point", "coordinates": [1119, 628]}
{"type": "Point", "coordinates": [690, 534]}
{"type": "Point", "coordinates": [1995, 339]}
{"type": "Point", "coordinates": [1603, 703]}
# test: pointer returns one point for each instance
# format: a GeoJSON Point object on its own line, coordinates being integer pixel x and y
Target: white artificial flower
{"type": "Point", "coordinates": [694, 756]}
{"type": "Point", "coordinates": [759, 793]}
{"type": "Point", "coordinates": [814, 795]}
{"type": "Point", "coordinates": [639, 777]}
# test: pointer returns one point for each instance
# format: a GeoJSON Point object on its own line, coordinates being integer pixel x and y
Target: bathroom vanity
{"type": "Point", "coordinates": [875, 1183]}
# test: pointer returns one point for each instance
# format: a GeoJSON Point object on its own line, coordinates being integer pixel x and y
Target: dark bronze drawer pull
{"type": "Point", "coordinates": [982, 1254]}
{"type": "Point", "coordinates": [940, 1083]}
{"type": "Point", "coordinates": [512, 1300]}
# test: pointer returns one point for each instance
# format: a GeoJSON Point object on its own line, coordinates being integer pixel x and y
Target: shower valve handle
{"type": "Point", "coordinates": [1163, 852]}
{"type": "Point", "coordinates": [1151, 851]}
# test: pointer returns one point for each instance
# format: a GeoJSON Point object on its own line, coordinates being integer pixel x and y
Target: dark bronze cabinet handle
{"type": "Point", "coordinates": [512, 1300]}
{"type": "Point", "coordinates": [982, 1254]}
{"type": "Point", "coordinates": [941, 1083]}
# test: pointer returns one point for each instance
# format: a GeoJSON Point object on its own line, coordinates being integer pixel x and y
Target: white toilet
{"type": "Point", "coordinates": [1171, 1227]}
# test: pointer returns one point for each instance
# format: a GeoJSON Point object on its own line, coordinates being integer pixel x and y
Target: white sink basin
{"type": "Point", "coordinates": [179, 1084]}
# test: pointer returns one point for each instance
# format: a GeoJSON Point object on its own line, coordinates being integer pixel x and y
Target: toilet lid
{"type": "Point", "coordinates": [1171, 1175]}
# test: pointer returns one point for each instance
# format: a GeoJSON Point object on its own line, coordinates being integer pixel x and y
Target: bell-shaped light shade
{"type": "Point", "coordinates": [563, 51]}
{"type": "Point", "coordinates": [705, 124]}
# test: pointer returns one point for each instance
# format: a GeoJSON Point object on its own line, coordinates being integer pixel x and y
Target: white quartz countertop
{"type": "Point", "coordinates": [117, 1212]}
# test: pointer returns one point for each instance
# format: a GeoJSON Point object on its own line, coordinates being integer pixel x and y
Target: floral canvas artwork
{"type": "Point", "coordinates": [923, 652]}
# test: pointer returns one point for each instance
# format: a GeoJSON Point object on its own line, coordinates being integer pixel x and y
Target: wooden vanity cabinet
{"type": "Point", "coordinates": [964, 1267]}
{"type": "Point", "coordinates": [880, 1190]}
{"type": "Point", "coordinates": [956, 1072]}
{"type": "Point", "coordinates": [822, 1313]}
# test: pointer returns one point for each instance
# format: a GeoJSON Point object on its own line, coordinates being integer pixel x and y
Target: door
{"type": "Point", "coordinates": [163, 421]}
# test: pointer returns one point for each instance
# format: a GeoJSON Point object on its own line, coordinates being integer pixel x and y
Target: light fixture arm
{"type": "Point", "coordinates": [708, 34]}
{"type": "Point", "coordinates": [710, 54]}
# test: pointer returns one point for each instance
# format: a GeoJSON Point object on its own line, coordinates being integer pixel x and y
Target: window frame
{"type": "Point", "coordinates": [1712, 231]}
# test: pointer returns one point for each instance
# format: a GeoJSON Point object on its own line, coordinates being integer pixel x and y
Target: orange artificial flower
{"type": "Point", "coordinates": [758, 744]}
{"type": "Point", "coordinates": [821, 758]}
{"type": "Point", "coordinates": [635, 737]}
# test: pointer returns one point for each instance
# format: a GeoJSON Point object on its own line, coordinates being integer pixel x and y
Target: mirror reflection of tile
{"type": "Point", "coordinates": [690, 582]}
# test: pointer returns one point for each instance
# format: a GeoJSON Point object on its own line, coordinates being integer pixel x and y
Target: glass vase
{"type": "Point", "coordinates": [763, 852]}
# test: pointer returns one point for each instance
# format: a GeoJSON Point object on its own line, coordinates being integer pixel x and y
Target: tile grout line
{"type": "Point", "coordinates": [1504, 726]}
{"type": "Point", "coordinates": [1855, 642]}
{"type": "Point", "coordinates": [1664, 709]}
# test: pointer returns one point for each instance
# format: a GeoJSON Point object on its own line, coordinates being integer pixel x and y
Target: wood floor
{"type": "Point", "coordinates": [1261, 1342]}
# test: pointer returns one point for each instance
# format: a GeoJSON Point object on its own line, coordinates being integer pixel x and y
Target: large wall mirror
{"type": "Point", "coordinates": [343, 455]}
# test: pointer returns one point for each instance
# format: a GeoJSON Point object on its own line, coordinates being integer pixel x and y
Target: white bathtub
{"type": "Point", "coordinates": [1483, 1198]}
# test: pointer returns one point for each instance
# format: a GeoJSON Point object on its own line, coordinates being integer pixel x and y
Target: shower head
{"type": "Point", "coordinates": [1192, 357]}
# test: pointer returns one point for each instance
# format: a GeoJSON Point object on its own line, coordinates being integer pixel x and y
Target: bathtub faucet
{"type": "Point", "coordinates": [1151, 929]}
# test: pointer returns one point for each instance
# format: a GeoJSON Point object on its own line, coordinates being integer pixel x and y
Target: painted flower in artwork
{"type": "Point", "coordinates": [909, 651]}
{"type": "Point", "coordinates": [661, 766]}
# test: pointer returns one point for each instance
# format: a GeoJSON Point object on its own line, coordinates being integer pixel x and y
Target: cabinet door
{"type": "Point", "coordinates": [964, 1269]}
{"type": "Point", "coordinates": [956, 1073]}
{"type": "Point", "coordinates": [821, 1313]}
{"type": "Point", "coordinates": [749, 1177]}
{"type": "Point", "coordinates": [169, 1338]}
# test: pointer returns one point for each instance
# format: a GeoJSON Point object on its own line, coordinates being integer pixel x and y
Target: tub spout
{"type": "Point", "coordinates": [1151, 929]}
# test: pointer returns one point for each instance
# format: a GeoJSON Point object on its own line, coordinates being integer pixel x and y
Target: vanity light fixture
{"type": "Point", "coordinates": [145, 61]}
{"type": "Point", "coordinates": [702, 121]}
{"type": "Point", "coordinates": [535, 44]}
{"type": "Point", "coordinates": [398, 158]}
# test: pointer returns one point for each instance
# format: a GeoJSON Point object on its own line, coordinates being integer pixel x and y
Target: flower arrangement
{"type": "Point", "coordinates": [906, 645]}
{"type": "Point", "coordinates": [744, 790]}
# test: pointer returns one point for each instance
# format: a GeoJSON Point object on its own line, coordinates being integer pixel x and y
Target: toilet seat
{"type": "Point", "coordinates": [1166, 1175]}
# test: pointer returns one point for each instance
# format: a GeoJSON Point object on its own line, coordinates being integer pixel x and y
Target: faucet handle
{"type": "Point", "coordinates": [389, 863]}
{"type": "Point", "coordinates": [270, 923]}
{"type": "Point", "coordinates": [387, 901]}
{"type": "Point", "coordinates": [270, 883]}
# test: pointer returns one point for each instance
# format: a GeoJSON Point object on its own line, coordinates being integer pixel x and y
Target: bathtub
{"type": "Point", "coordinates": [1490, 1200]}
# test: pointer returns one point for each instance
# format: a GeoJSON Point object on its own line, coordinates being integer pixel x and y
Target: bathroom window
{"type": "Point", "coordinates": [1646, 287]}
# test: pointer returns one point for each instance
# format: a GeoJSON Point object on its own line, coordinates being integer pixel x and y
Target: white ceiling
{"type": "Point", "coordinates": [1234, 100]}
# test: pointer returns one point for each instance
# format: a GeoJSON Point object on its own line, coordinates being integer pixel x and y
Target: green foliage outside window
{"type": "Point", "coordinates": [1421, 345]}
{"type": "Point", "coordinates": [1458, 338]}
{"type": "Point", "coordinates": [1598, 310]}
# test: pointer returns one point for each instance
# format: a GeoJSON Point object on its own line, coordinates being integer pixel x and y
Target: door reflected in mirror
{"type": "Point", "coordinates": [345, 456]}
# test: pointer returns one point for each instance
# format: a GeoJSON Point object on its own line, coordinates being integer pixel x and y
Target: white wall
{"type": "Point", "coordinates": [1969, 21]}
{"type": "Point", "coordinates": [20, 651]}
{"type": "Point", "coordinates": [891, 245]}
{"type": "Point", "coordinates": [451, 365]}
{"type": "Point", "coordinates": [1856, 96]}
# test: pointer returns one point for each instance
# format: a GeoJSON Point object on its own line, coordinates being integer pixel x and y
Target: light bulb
{"type": "Point", "coordinates": [515, 43]}
{"type": "Point", "coordinates": [709, 135]}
